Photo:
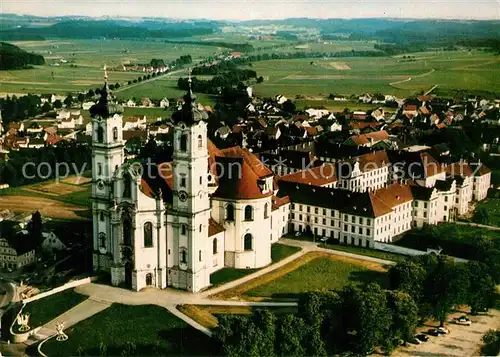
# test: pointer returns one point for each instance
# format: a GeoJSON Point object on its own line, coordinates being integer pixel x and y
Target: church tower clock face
{"type": "Point", "coordinates": [100, 185]}
{"type": "Point", "coordinates": [183, 196]}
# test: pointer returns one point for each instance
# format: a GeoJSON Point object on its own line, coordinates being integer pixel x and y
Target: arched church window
{"type": "Point", "coordinates": [230, 212]}
{"type": "Point", "coordinates": [266, 207]}
{"type": "Point", "coordinates": [183, 229]}
{"type": "Point", "coordinates": [214, 246]}
{"type": "Point", "coordinates": [148, 234]}
{"type": "Point", "coordinates": [102, 240]}
{"type": "Point", "coordinates": [248, 242]}
{"type": "Point", "coordinates": [248, 213]}
{"type": "Point", "coordinates": [100, 134]}
{"type": "Point", "coordinates": [115, 133]}
{"type": "Point", "coordinates": [200, 141]}
{"type": "Point", "coordinates": [201, 227]}
{"type": "Point", "coordinates": [99, 168]}
{"type": "Point", "coordinates": [183, 144]}
{"type": "Point", "coordinates": [101, 216]}
{"type": "Point", "coordinates": [127, 183]}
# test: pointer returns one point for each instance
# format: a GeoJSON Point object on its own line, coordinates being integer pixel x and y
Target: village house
{"type": "Point", "coordinates": [135, 122]}
{"type": "Point", "coordinates": [17, 249]}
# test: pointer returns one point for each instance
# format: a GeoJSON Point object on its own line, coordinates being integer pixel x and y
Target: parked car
{"type": "Point", "coordinates": [463, 320]}
{"type": "Point", "coordinates": [324, 239]}
{"type": "Point", "coordinates": [422, 338]}
{"type": "Point", "coordinates": [444, 330]}
{"type": "Point", "coordinates": [415, 341]}
{"type": "Point", "coordinates": [435, 332]}
{"type": "Point", "coordinates": [297, 234]}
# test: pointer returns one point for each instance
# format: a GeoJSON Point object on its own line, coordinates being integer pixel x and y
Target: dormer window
{"type": "Point", "coordinates": [200, 141]}
{"type": "Point", "coordinates": [115, 134]}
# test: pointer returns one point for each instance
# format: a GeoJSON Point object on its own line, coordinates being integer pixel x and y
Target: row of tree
{"type": "Point", "coordinates": [214, 85]}
{"type": "Point", "coordinates": [65, 158]}
{"type": "Point", "coordinates": [359, 319]}
{"type": "Point", "coordinates": [326, 323]}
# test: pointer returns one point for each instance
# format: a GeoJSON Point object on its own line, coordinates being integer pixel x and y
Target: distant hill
{"type": "Point", "coordinates": [12, 57]}
{"type": "Point", "coordinates": [92, 29]}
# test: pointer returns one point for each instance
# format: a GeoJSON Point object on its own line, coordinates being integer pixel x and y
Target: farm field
{"type": "Point", "coordinates": [316, 78]}
{"type": "Point", "coordinates": [89, 57]}
{"type": "Point", "coordinates": [123, 330]}
{"type": "Point", "coordinates": [67, 199]}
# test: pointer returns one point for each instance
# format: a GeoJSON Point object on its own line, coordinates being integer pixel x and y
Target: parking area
{"type": "Point", "coordinates": [461, 341]}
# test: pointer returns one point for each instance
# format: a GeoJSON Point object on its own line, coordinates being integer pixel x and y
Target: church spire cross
{"type": "Point", "coordinates": [105, 74]}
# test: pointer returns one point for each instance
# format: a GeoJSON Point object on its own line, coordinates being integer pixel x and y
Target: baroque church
{"type": "Point", "coordinates": [175, 224]}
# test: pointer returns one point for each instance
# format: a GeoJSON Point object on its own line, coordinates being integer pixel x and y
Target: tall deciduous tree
{"type": "Point", "coordinates": [482, 289]}
{"type": "Point", "coordinates": [290, 334]}
{"type": "Point", "coordinates": [404, 314]}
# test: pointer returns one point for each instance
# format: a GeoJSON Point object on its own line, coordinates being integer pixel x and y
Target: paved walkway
{"type": "Point", "coordinates": [71, 317]}
{"type": "Point", "coordinates": [101, 296]}
{"type": "Point", "coordinates": [493, 228]}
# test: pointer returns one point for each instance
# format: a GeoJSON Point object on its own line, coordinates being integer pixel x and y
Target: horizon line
{"type": "Point", "coordinates": [247, 20]}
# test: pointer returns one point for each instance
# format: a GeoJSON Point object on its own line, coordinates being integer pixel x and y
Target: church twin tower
{"type": "Point", "coordinates": [140, 237]}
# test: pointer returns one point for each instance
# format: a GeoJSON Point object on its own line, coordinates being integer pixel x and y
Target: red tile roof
{"type": "Point", "coordinates": [317, 176]}
{"type": "Point", "coordinates": [277, 202]}
{"type": "Point", "coordinates": [214, 227]}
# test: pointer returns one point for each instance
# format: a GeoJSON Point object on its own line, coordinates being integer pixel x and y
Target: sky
{"type": "Point", "coordinates": [259, 9]}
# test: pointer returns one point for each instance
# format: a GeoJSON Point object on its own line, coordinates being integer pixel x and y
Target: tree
{"type": "Point", "coordinates": [117, 85]}
{"type": "Point", "coordinates": [265, 322]}
{"type": "Point", "coordinates": [46, 107]}
{"type": "Point", "coordinates": [289, 106]}
{"type": "Point", "coordinates": [408, 276]}
{"type": "Point", "coordinates": [260, 79]}
{"type": "Point", "coordinates": [35, 227]}
{"type": "Point", "coordinates": [366, 317]}
{"type": "Point", "coordinates": [238, 336]}
{"type": "Point", "coordinates": [491, 341]}
{"type": "Point", "coordinates": [290, 334]}
{"type": "Point", "coordinates": [81, 97]}
{"type": "Point", "coordinates": [129, 82]}
{"type": "Point", "coordinates": [57, 104]}
{"type": "Point", "coordinates": [482, 289]}
{"type": "Point", "coordinates": [404, 314]}
{"type": "Point", "coordinates": [90, 94]}
{"type": "Point", "coordinates": [442, 288]}
{"type": "Point", "coordinates": [481, 216]}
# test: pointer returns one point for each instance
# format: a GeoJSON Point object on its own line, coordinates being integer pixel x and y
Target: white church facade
{"type": "Point", "coordinates": [177, 223]}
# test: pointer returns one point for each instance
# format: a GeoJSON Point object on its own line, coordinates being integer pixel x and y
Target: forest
{"type": "Point", "coordinates": [12, 57]}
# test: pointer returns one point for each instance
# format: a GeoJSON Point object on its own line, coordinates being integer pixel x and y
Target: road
{"type": "Point", "coordinates": [122, 88]}
{"type": "Point", "coordinates": [10, 293]}
{"type": "Point", "coordinates": [493, 228]}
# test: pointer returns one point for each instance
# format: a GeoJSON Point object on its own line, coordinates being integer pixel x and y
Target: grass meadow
{"type": "Point", "coordinates": [144, 330]}
{"type": "Point", "coordinates": [316, 78]}
{"type": "Point", "coordinates": [321, 274]}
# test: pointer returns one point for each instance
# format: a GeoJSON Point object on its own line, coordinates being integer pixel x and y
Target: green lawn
{"type": "Point", "coordinates": [122, 330]}
{"type": "Point", "coordinates": [366, 251]}
{"type": "Point", "coordinates": [319, 274]}
{"type": "Point", "coordinates": [225, 275]}
{"type": "Point", "coordinates": [282, 251]}
{"type": "Point", "coordinates": [48, 308]}
{"type": "Point", "coordinates": [493, 207]}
